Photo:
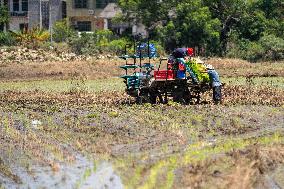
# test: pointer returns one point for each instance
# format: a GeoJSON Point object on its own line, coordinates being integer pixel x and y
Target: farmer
{"type": "Point", "coordinates": [183, 52]}
{"type": "Point", "coordinates": [215, 82]}
{"type": "Point", "coordinates": [179, 55]}
{"type": "Point", "coordinates": [199, 71]}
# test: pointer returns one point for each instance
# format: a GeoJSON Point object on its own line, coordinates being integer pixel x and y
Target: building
{"type": "Point", "coordinates": [34, 13]}
{"type": "Point", "coordinates": [108, 13]}
{"type": "Point", "coordinates": [84, 14]}
{"type": "Point", "coordinates": [89, 15]}
{"type": "Point", "coordinates": [18, 11]}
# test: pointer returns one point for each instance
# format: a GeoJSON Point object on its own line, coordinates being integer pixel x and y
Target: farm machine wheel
{"type": "Point", "coordinates": [150, 95]}
{"type": "Point", "coordinates": [182, 95]}
{"type": "Point", "coordinates": [142, 97]}
{"type": "Point", "coordinates": [156, 97]}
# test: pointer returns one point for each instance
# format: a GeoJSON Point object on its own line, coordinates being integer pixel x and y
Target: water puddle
{"type": "Point", "coordinates": [103, 177]}
{"type": "Point", "coordinates": [82, 174]}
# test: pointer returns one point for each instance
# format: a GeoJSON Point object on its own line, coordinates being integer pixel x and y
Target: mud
{"type": "Point", "coordinates": [81, 138]}
{"type": "Point", "coordinates": [82, 173]}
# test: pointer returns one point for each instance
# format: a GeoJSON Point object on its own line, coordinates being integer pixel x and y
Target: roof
{"type": "Point", "coordinates": [110, 11]}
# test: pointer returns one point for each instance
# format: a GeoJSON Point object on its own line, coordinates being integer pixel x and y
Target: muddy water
{"type": "Point", "coordinates": [82, 174]}
{"type": "Point", "coordinates": [103, 177]}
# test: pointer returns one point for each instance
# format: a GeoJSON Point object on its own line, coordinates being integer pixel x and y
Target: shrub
{"type": "Point", "coordinates": [273, 46]}
{"type": "Point", "coordinates": [31, 38]}
{"type": "Point", "coordinates": [93, 43]}
{"type": "Point", "coordinates": [103, 37]}
{"type": "Point", "coordinates": [83, 44]}
{"type": "Point", "coordinates": [117, 46]}
{"type": "Point", "coordinates": [62, 31]}
{"type": "Point", "coordinates": [4, 15]}
{"type": "Point", "coordinates": [268, 47]}
{"type": "Point", "coordinates": [6, 39]}
{"type": "Point", "coordinates": [102, 41]}
{"type": "Point", "coordinates": [254, 52]}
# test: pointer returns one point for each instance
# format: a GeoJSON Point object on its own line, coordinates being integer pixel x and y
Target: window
{"type": "Point", "coordinates": [25, 5]}
{"type": "Point", "coordinates": [84, 26]}
{"type": "Point", "coordinates": [64, 9]}
{"type": "Point", "coordinates": [100, 4]}
{"type": "Point", "coordinates": [24, 26]}
{"type": "Point", "coordinates": [16, 5]}
{"type": "Point", "coordinates": [45, 14]}
{"type": "Point", "coordinates": [79, 4]}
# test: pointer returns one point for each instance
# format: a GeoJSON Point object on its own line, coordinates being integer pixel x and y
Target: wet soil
{"type": "Point", "coordinates": [102, 139]}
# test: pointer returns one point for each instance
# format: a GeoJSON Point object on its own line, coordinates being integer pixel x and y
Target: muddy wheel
{"type": "Point", "coordinates": [187, 96]}
{"type": "Point", "coordinates": [155, 98]}
{"type": "Point", "coordinates": [139, 100]}
{"type": "Point", "coordinates": [182, 95]}
{"type": "Point", "coordinates": [142, 99]}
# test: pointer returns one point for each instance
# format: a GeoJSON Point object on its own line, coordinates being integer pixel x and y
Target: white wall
{"type": "Point", "coordinates": [16, 21]}
{"type": "Point", "coordinates": [139, 28]}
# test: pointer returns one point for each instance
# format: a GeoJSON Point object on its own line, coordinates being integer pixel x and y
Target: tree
{"type": "Point", "coordinates": [4, 17]}
{"type": "Point", "coordinates": [152, 13]}
{"type": "Point", "coordinates": [273, 9]}
{"type": "Point", "coordinates": [252, 25]}
{"type": "Point", "coordinates": [192, 26]}
{"type": "Point", "coordinates": [229, 12]}
{"type": "Point", "coordinates": [212, 24]}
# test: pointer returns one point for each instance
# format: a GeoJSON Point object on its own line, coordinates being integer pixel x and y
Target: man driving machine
{"type": "Point", "coordinates": [198, 70]}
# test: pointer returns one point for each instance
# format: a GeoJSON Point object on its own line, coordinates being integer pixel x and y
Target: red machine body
{"type": "Point", "coordinates": [164, 74]}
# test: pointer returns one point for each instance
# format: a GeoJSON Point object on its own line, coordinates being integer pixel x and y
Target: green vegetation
{"type": "Point", "coordinates": [277, 82]}
{"type": "Point", "coordinates": [252, 30]}
{"type": "Point", "coordinates": [63, 85]}
{"type": "Point", "coordinates": [4, 17]}
{"type": "Point", "coordinates": [6, 39]}
{"type": "Point", "coordinates": [101, 41]}
{"type": "Point", "coordinates": [31, 38]}
{"type": "Point", "coordinates": [61, 31]}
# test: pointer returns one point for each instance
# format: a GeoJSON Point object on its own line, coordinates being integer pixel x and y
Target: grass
{"type": "Point", "coordinates": [162, 146]}
{"type": "Point", "coordinates": [275, 82]}
{"type": "Point", "coordinates": [116, 84]}
{"type": "Point", "coordinates": [58, 86]}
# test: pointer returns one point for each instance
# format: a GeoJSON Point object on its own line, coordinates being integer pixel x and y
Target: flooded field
{"type": "Point", "coordinates": [82, 132]}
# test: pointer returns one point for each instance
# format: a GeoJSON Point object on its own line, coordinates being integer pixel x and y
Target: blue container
{"type": "Point", "coordinates": [180, 74]}
{"type": "Point", "coordinates": [142, 50]}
